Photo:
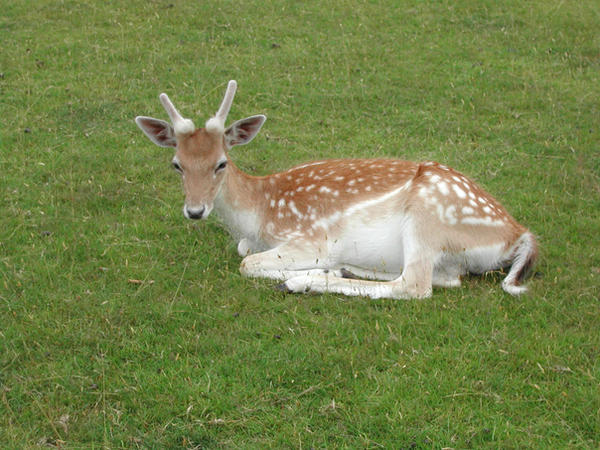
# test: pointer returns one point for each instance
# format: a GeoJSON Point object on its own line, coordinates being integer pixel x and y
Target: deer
{"type": "Point", "coordinates": [376, 228]}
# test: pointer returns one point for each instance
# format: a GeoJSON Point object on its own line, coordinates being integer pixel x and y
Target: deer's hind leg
{"type": "Point", "coordinates": [447, 274]}
{"type": "Point", "coordinates": [414, 282]}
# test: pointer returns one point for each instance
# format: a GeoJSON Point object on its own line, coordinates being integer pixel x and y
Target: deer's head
{"type": "Point", "coordinates": [201, 154]}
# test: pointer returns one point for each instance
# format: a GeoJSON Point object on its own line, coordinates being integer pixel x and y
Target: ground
{"type": "Point", "coordinates": [124, 325]}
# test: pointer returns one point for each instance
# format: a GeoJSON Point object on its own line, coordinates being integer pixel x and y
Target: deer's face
{"type": "Point", "coordinates": [202, 162]}
{"type": "Point", "coordinates": [200, 155]}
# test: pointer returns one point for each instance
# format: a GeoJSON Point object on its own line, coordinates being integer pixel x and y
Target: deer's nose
{"type": "Point", "coordinates": [193, 213]}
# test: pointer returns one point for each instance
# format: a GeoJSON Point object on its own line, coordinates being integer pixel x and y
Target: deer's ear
{"type": "Point", "coordinates": [244, 130]}
{"type": "Point", "coordinates": [158, 131]}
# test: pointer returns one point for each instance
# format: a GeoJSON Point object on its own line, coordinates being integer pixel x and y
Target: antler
{"type": "Point", "coordinates": [184, 126]}
{"type": "Point", "coordinates": [217, 123]}
{"type": "Point", "coordinates": [227, 101]}
{"type": "Point", "coordinates": [180, 125]}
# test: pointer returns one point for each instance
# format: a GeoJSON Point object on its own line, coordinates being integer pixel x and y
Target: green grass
{"type": "Point", "coordinates": [195, 356]}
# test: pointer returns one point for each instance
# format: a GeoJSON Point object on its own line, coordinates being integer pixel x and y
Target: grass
{"type": "Point", "coordinates": [123, 325]}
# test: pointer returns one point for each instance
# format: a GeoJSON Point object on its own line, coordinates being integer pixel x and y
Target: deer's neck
{"type": "Point", "coordinates": [239, 203]}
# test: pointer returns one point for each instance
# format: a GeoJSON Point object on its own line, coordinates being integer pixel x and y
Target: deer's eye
{"type": "Point", "coordinates": [220, 166]}
{"type": "Point", "coordinates": [176, 166]}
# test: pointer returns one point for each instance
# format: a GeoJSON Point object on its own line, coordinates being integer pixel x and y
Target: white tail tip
{"type": "Point", "coordinates": [513, 289]}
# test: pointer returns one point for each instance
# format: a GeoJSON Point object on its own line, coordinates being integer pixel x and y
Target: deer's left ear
{"type": "Point", "coordinates": [244, 130]}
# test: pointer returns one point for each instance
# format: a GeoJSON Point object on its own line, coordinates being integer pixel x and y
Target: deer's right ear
{"type": "Point", "coordinates": [159, 131]}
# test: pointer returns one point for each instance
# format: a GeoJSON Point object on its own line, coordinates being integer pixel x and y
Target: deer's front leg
{"type": "Point", "coordinates": [247, 247]}
{"type": "Point", "coordinates": [287, 261]}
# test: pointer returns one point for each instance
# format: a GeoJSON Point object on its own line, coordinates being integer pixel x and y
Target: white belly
{"type": "Point", "coordinates": [371, 245]}
{"type": "Point", "coordinates": [378, 246]}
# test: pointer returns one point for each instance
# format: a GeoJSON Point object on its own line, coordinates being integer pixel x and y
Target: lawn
{"type": "Point", "coordinates": [123, 325]}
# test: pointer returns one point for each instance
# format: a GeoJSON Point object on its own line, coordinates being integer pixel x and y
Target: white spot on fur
{"type": "Point", "coordinates": [467, 210]}
{"type": "Point", "coordinates": [450, 214]}
{"type": "Point", "coordinates": [281, 203]}
{"type": "Point", "coordinates": [294, 210]}
{"type": "Point", "coordinates": [315, 163]}
{"type": "Point", "coordinates": [487, 220]}
{"type": "Point", "coordinates": [440, 211]}
{"type": "Point", "coordinates": [459, 191]}
{"type": "Point", "coordinates": [443, 188]}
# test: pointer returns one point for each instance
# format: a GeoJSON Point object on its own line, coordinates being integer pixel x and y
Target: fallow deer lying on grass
{"type": "Point", "coordinates": [370, 227]}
